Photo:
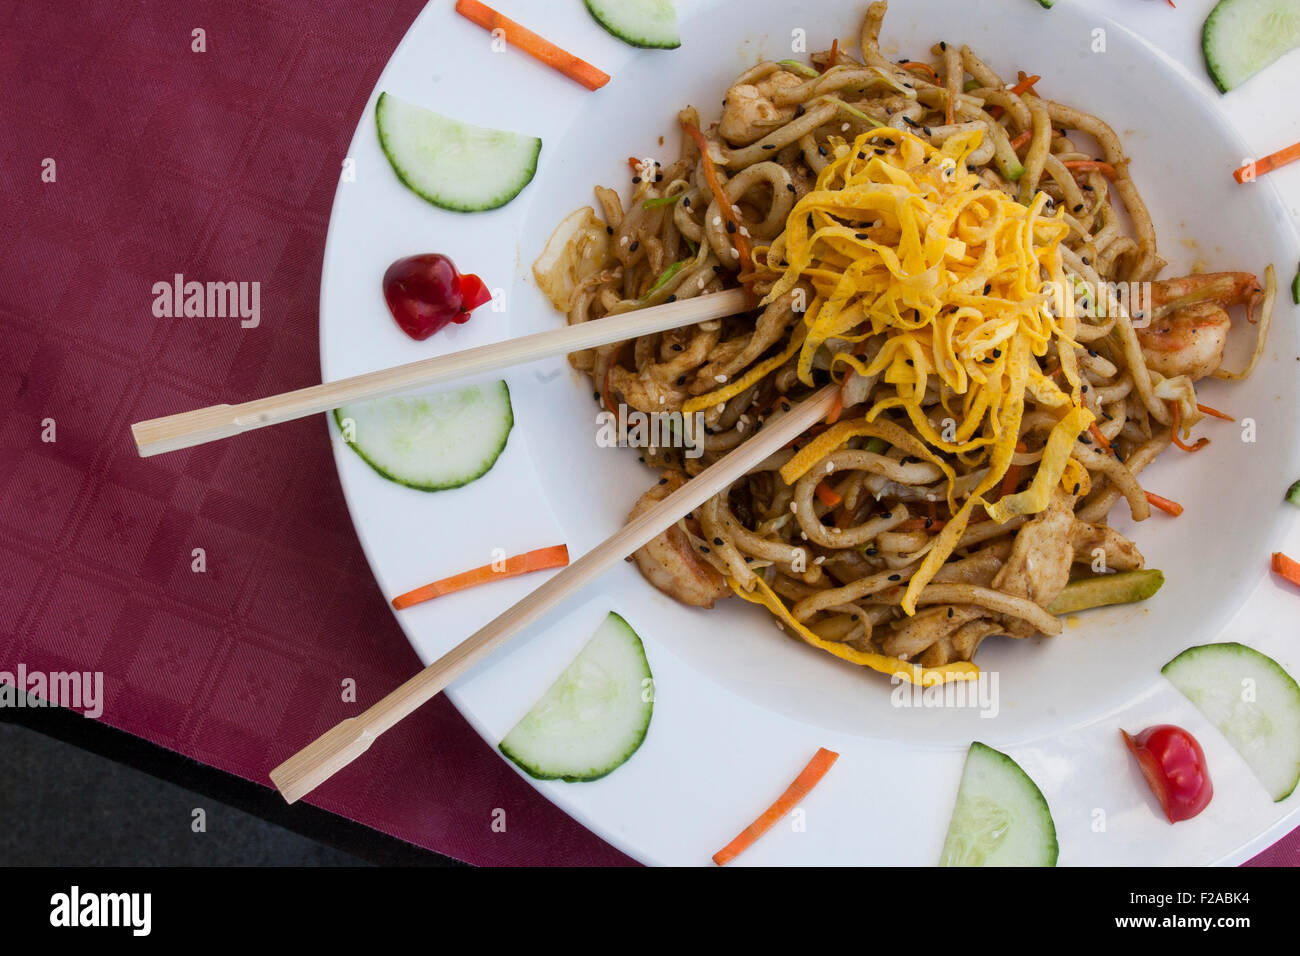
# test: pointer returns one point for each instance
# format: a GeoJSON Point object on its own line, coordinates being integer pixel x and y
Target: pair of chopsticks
{"type": "Point", "coordinates": [338, 747]}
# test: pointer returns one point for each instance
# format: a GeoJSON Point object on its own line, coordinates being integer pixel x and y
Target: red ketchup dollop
{"type": "Point", "coordinates": [425, 293]}
{"type": "Point", "coordinates": [1174, 765]}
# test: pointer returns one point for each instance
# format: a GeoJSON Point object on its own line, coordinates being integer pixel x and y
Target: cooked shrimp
{"type": "Point", "coordinates": [1188, 327]}
{"type": "Point", "coordinates": [670, 563]}
{"type": "Point", "coordinates": [750, 114]}
{"type": "Point", "coordinates": [1190, 342]}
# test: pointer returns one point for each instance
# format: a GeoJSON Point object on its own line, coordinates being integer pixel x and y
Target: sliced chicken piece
{"type": "Point", "coordinates": [1119, 552]}
{"type": "Point", "coordinates": [670, 563]}
{"type": "Point", "coordinates": [1039, 564]}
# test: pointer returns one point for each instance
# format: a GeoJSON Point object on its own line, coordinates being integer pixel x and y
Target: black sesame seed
{"type": "Point", "coordinates": [681, 380]}
{"type": "Point", "coordinates": [860, 235]}
{"type": "Point", "coordinates": [790, 187]}
{"type": "Point", "coordinates": [1078, 207]}
{"type": "Point", "coordinates": [926, 130]}
{"type": "Point", "coordinates": [909, 121]}
{"type": "Point", "coordinates": [717, 270]}
{"type": "Point", "coordinates": [943, 46]}
{"type": "Point", "coordinates": [663, 481]}
{"type": "Point", "coordinates": [821, 150]}
{"type": "Point", "coordinates": [748, 559]}
{"type": "Point", "coordinates": [636, 179]}
{"type": "Point", "coordinates": [799, 110]}
{"type": "Point", "coordinates": [861, 154]}
{"type": "Point", "coordinates": [634, 247]}
{"type": "Point", "coordinates": [997, 353]}
{"type": "Point", "coordinates": [718, 542]}
{"type": "Point", "coordinates": [704, 548]}
{"type": "Point", "coordinates": [871, 552]}
{"type": "Point", "coordinates": [677, 347]}
{"type": "Point", "coordinates": [1087, 188]}
{"type": "Point", "coordinates": [895, 577]}
{"type": "Point", "coordinates": [596, 395]}
{"type": "Point", "coordinates": [610, 230]}
{"type": "Point", "coordinates": [988, 287]}
{"type": "Point", "coordinates": [769, 146]}
{"type": "Point", "coordinates": [1076, 488]}
{"type": "Point", "coordinates": [731, 226]}
{"type": "Point", "coordinates": [1085, 260]}
{"type": "Point", "coordinates": [950, 612]}
{"type": "Point", "coordinates": [887, 515]}
{"type": "Point", "coordinates": [878, 151]}
{"type": "Point", "coordinates": [1092, 352]}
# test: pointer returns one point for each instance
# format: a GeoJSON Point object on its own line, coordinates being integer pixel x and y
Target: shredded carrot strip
{"type": "Point", "coordinates": [1164, 504]}
{"type": "Point", "coordinates": [539, 560]}
{"type": "Point", "coordinates": [1177, 427]}
{"type": "Point", "coordinates": [836, 408]}
{"type": "Point", "coordinates": [1012, 478]}
{"type": "Point", "coordinates": [808, 778]}
{"type": "Point", "coordinates": [634, 163]}
{"type": "Point", "coordinates": [715, 186]}
{"type": "Point", "coordinates": [535, 46]}
{"type": "Point", "coordinates": [1269, 163]}
{"type": "Point", "coordinates": [1022, 139]}
{"type": "Point", "coordinates": [1085, 164]}
{"type": "Point", "coordinates": [827, 495]}
{"type": "Point", "coordinates": [1026, 84]}
{"type": "Point", "coordinates": [1098, 437]}
{"type": "Point", "coordinates": [918, 65]}
{"type": "Point", "coordinates": [1214, 413]}
{"type": "Point", "coordinates": [1287, 568]}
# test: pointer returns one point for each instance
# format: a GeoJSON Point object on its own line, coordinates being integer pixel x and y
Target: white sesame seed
{"type": "Point", "coordinates": [720, 407]}
{"type": "Point", "coordinates": [744, 232]}
{"type": "Point", "coordinates": [794, 507]}
{"type": "Point", "coordinates": [819, 559]}
{"type": "Point", "coordinates": [624, 241]}
{"type": "Point", "coordinates": [717, 220]}
{"type": "Point", "coordinates": [830, 467]}
{"type": "Point", "coordinates": [804, 535]}
{"type": "Point", "coordinates": [837, 530]}
{"type": "Point", "coordinates": [735, 254]}
{"type": "Point", "coordinates": [719, 378]}
{"type": "Point", "coordinates": [844, 128]}
{"type": "Point", "coordinates": [779, 626]}
{"type": "Point", "coordinates": [740, 427]}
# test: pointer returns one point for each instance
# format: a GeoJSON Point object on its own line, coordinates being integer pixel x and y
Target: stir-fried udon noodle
{"type": "Point", "coordinates": [973, 264]}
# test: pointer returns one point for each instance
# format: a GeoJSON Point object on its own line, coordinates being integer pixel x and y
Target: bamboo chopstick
{"type": "Point", "coordinates": [184, 430]}
{"type": "Point", "coordinates": [338, 747]}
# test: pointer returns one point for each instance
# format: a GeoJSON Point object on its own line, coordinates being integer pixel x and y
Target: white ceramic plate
{"type": "Point", "coordinates": [740, 708]}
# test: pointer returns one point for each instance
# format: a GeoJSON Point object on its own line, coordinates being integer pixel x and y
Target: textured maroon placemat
{"type": "Point", "coordinates": [219, 165]}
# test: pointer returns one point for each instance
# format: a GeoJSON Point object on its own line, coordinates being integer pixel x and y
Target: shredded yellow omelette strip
{"type": "Point", "coordinates": [899, 239]}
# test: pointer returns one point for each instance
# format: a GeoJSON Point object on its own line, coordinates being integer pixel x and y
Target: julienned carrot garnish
{"type": "Point", "coordinates": [1012, 477]}
{"type": "Point", "coordinates": [1083, 165]}
{"type": "Point", "coordinates": [1022, 139]}
{"type": "Point", "coordinates": [724, 204]}
{"type": "Point", "coordinates": [1098, 437]}
{"type": "Point", "coordinates": [539, 560]}
{"type": "Point", "coordinates": [808, 778]}
{"type": "Point", "coordinates": [1269, 163]}
{"type": "Point", "coordinates": [535, 46]}
{"type": "Point", "coordinates": [1177, 413]}
{"type": "Point", "coordinates": [1164, 504]}
{"type": "Point", "coordinates": [836, 408]}
{"type": "Point", "coordinates": [918, 65]}
{"type": "Point", "coordinates": [1287, 568]}
{"type": "Point", "coordinates": [827, 495]}
{"type": "Point", "coordinates": [1026, 83]}
{"type": "Point", "coordinates": [1214, 413]}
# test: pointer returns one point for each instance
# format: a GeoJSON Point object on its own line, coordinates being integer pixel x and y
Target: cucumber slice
{"type": "Point", "coordinates": [1295, 288]}
{"type": "Point", "coordinates": [1001, 817]}
{"type": "Point", "coordinates": [1293, 493]}
{"type": "Point", "coordinates": [1252, 701]}
{"type": "Point", "coordinates": [431, 442]}
{"type": "Point", "coordinates": [651, 24]}
{"type": "Point", "coordinates": [1241, 37]}
{"type": "Point", "coordinates": [1046, 3]}
{"type": "Point", "coordinates": [453, 165]}
{"type": "Point", "coordinates": [595, 715]}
